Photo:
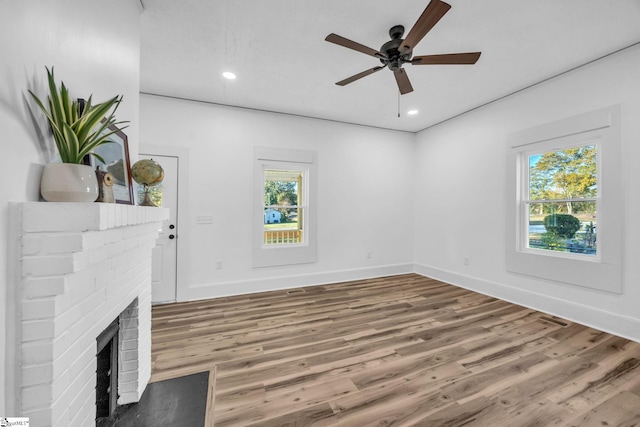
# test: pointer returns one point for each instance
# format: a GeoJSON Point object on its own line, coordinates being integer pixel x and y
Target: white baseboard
{"type": "Point", "coordinates": [606, 321]}
{"type": "Point", "coordinates": [239, 287]}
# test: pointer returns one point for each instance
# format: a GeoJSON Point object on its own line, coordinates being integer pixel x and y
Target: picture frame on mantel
{"type": "Point", "coordinates": [116, 162]}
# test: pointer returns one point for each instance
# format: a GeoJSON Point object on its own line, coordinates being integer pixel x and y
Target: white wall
{"type": "Point", "coordinates": [364, 193]}
{"type": "Point", "coordinates": [461, 201]}
{"type": "Point", "coordinates": [95, 48]}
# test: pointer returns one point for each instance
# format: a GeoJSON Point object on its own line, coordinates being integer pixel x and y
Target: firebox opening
{"type": "Point", "coordinates": [107, 371]}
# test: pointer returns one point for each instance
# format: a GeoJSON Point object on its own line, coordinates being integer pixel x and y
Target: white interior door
{"type": "Point", "coordinates": [164, 267]}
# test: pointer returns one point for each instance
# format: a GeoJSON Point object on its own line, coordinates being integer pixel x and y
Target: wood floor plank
{"type": "Point", "coordinates": [211, 399]}
{"type": "Point", "coordinates": [395, 351]}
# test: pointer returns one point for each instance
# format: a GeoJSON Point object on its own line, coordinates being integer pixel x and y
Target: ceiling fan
{"type": "Point", "coordinates": [399, 51]}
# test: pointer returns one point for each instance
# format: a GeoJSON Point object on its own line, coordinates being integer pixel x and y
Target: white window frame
{"type": "Point", "coordinates": [603, 271]}
{"type": "Point", "coordinates": [289, 254]}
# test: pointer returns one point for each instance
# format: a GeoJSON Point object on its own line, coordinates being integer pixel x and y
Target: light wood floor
{"type": "Point", "coordinates": [396, 351]}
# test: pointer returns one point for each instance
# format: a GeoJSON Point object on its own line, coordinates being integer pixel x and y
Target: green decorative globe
{"type": "Point", "coordinates": [147, 172]}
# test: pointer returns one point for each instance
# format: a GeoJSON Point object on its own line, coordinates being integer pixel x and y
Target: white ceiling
{"type": "Point", "coordinates": [283, 64]}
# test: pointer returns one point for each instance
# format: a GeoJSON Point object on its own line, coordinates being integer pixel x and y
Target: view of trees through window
{"type": "Point", "coordinates": [282, 207]}
{"type": "Point", "coordinates": [562, 202]}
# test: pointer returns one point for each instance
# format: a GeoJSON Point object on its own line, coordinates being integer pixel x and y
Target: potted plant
{"type": "Point", "coordinates": [78, 127]}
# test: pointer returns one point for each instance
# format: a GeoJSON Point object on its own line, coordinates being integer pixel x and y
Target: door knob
{"type": "Point", "coordinates": [171, 227]}
{"type": "Point", "coordinates": [171, 236]}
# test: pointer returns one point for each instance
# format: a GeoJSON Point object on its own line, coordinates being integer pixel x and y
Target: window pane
{"type": "Point", "coordinates": [282, 227]}
{"type": "Point", "coordinates": [551, 227]}
{"type": "Point", "coordinates": [563, 174]}
{"type": "Point", "coordinates": [282, 210]}
{"type": "Point", "coordinates": [281, 187]}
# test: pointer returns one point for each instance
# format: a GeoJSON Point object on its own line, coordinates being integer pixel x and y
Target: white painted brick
{"type": "Point", "coordinates": [81, 411]}
{"type": "Point", "coordinates": [39, 416]}
{"type": "Point", "coordinates": [112, 236]}
{"type": "Point", "coordinates": [93, 302]}
{"type": "Point", "coordinates": [65, 360]}
{"type": "Point", "coordinates": [75, 297]}
{"type": "Point", "coordinates": [129, 345]}
{"type": "Point", "coordinates": [62, 342]}
{"type": "Point", "coordinates": [119, 218]}
{"type": "Point", "coordinates": [85, 363]}
{"type": "Point", "coordinates": [39, 217]}
{"type": "Point", "coordinates": [80, 261]}
{"type": "Point", "coordinates": [40, 308]}
{"type": "Point", "coordinates": [78, 398]}
{"type": "Point", "coordinates": [93, 239]}
{"type": "Point", "coordinates": [81, 279]}
{"type": "Point", "coordinates": [66, 320]}
{"type": "Point", "coordinates": [51, 243]}
{"type": "Point", "coordinates": [130, 397]}
{"type": "Point", "coordinates": [110, 268]}
{"type": "Point", "coordinates": [58, 388]}
{"type": "Point", "coordinates": [128, 377]}
{"type": "Point", "coordinates": [48, 265]}
{"type": "Point", "coordinates": [36, 397]}
{"type": "Point", "coordinates": [82, 420]}
{"type": "Point", "coordinates": [105, 275]}
{"type": "Point", "coordinates": [128, 388]}
{"type": "Point", "coordinates": [129, 355]}
{"type": "Point", "coordinates": [37, 330]}
{"type": "Point", "coordinates": [130, 366]}
{"type": "Point", "coordinates": [98, 254]}
{"type": "Point", "coordinates": [130, 334]}
{"type": "Point", "coordinates": [35, 287]}
{"type": "Point", "coordinates": [116, 250]}
{"type": "Point", "coordinates": [129, 323]}
{"type": "Point", "coordinates": [37, 374]}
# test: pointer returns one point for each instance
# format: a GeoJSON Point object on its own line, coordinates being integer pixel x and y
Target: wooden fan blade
{"type": "Point", "coordinates": [447, 58]}
{"type": "Point", "coordinates": [358, 76]}
{"type": "Point", "coordinates": [341, 41]}
{"type": "Point", "coordinates": [435, 10]}
{"type": "Point", "coordinates": [403, 81]}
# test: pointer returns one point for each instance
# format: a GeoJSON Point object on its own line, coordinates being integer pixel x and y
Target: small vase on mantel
{"type": "Point", "coordinates": [68, 182]}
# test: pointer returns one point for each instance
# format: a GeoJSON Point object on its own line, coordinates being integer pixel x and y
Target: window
{"type": "Point", "coordinates": [284, 207]}
{"type": "Point", "coordinates": [561, 204]}
{"type": "Point", "coordinates": [565, 221]}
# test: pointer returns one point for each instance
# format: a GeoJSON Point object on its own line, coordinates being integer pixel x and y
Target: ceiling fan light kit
{"type": "Point", "coordinates": [398, 51]}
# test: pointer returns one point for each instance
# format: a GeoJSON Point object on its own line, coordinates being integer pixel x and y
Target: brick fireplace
{"type": "Point", "coordinates": [81, 265]}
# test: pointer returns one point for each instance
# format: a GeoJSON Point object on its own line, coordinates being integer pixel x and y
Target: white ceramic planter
{"type": "Point", "coordinates": [68, 182]}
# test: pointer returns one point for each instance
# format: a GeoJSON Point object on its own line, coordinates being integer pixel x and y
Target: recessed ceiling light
{"type": "Point", "coordinates": [229, 75]}
{"type": "Point", "coordinates": [412, 112]}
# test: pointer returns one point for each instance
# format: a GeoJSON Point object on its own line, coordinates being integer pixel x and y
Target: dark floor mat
{"type": "Point", "coordinates": [176, 402]}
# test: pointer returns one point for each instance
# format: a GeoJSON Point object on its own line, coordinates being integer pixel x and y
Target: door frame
{"type": "Point", "coordinates": [183, 241]}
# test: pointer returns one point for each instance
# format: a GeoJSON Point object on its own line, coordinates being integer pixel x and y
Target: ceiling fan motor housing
{"type": "Point", "coordinates": [394, 58]}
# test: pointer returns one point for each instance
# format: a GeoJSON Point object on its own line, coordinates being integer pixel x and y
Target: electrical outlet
{"type": "Point", "coordinates": [368, 255]}
{"type": "Point", "coordinates": [218, 264]}
{"type": "Point", "coordinates": [466, 260]}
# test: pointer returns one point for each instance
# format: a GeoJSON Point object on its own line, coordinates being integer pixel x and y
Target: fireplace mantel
{"type": "Point", "coordinates": [79, 267]}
